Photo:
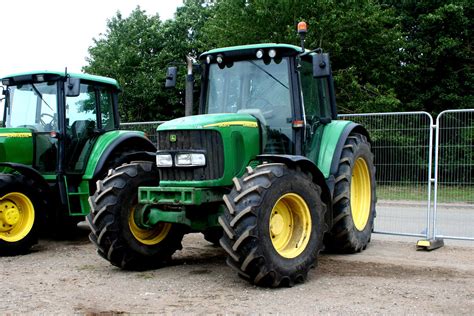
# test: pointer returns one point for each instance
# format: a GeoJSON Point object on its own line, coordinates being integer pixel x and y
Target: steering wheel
{"type": "Point", "coordinates": [47, 126]}
{"type": "Point", "coordinates": [265, 106]}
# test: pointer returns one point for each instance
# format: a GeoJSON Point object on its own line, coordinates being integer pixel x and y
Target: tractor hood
{"type": "Point", "coordinates": [16, 145]}
{"type": "Point", "coordinates": [229, 141]}
{"type": "Point", "coordinates": [210, 121]}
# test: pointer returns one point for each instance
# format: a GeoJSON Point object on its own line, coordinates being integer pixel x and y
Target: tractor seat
{"type": "Point", "coordinates": [82, 129]}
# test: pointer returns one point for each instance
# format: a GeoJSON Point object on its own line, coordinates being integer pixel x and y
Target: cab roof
{"type": "Point", "coordinates": [285, 49]}
{"type": "Point", "coordinates": [25, 75]}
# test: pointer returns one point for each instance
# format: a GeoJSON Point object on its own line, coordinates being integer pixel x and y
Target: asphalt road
{"type": "Point", "coordinates": [454, 220]}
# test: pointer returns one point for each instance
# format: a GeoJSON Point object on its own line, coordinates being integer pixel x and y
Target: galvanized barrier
{"type": "Point", "coordinates": [453, 209]}
{"type": "Point", "coordinates": [402, 146]}
{"type": "Point", "coordinates": [148, 127]}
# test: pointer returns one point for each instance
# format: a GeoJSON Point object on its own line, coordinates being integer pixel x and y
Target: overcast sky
{"type": "Point", "coordinates": [54, 34]}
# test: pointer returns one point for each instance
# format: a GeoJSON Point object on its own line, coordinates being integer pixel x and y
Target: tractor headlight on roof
{"type": "Point", "coordinates": [190, 160]}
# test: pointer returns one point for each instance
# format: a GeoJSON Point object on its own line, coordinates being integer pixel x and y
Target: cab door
{"type": "Point", "coordinates": [88, 115]}
{"type": "Point", "coordinates": [317, 108]}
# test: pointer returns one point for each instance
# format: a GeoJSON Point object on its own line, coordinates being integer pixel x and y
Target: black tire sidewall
{"type": "Point", "coordinates": [344, 236]}
{"type": "Point", "coordinates": [126, 204]}
{"type": "Point", "coordinates": [20, 184]}
{"type": "Point", "coordinates": [291, 182]}
{"type": "Point", "coordinates": [363, 151]}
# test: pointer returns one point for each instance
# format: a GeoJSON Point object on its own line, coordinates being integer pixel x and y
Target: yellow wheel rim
{"type": "Point", "coordinates": [290, 225]}
{"type": "Point", "coordinates": [360, 194]}
{"type": "Point", "coordinates": [148, 236]}
{"type": "Point", "coordinates": [17, 216]}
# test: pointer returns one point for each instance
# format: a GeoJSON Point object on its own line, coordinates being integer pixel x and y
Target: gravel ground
{"type": "Point", "coordinates": [390, 277]}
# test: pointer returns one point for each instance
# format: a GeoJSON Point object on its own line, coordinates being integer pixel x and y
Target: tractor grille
{"type": "Point", "coordinates": [200, 140]}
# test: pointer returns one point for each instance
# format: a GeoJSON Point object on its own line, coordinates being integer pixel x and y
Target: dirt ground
{"type": "Point", "coordinates": [390, 277]}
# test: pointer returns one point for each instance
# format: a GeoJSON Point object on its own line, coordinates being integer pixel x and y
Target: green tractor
{"type": "Point", "coordinates": [59, 136]}
{"type": "Point", "coordinates": [267, 171]}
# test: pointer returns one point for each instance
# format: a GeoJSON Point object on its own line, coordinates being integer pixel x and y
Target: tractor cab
{"type": "Point", "coordinates": [62, 115]}
{"type": "Point", "coordinates": [275, 83]}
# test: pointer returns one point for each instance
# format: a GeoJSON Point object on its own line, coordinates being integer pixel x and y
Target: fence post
{"type": "Point", "coordinates": [431, 242]}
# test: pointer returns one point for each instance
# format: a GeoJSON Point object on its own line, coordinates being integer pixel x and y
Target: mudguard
{"type": "Point", "coordinates": [110, 143]}
{"type": "Point", "coordinates": [31, 173]}
{"type": "Point", "coordinates": [330, 150]}
{"type": "Point", "coordinates": [305, 164]}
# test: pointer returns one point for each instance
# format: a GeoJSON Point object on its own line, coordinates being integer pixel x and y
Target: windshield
{"type": "Point", "coordinates": [257, 88]}
{"type": "Point", "coordinates": [33, 106]}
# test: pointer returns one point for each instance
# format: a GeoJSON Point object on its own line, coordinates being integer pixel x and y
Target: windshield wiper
{"type": "Point", "coordinates": [269, 74]}
{"type": "Point", "coordinates": [41, 97]}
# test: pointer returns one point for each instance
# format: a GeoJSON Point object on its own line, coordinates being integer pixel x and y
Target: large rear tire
{"type": "Point", "coordinates": [273, 225]}
{"type": "Point", "coordinates": [113, 229]}
{"type": "Point", "coordinates": [354, 198]}
{"type": "Point", "coordinates": [21, 211]}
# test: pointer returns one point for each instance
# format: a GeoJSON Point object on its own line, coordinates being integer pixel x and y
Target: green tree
{"type": "Point", "coordinates": [128, 52]}
{"type": "Point", "coordinates": [437, 59]}
{"type": "Point", "coordinates": [363, 38]}
{"type": "Point", "coordinates": [137, 50]}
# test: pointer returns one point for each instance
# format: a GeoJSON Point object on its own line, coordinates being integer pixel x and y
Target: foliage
{"type": "Point", "coordinates": [437, 60]}
{"type": "Point", "coordinates": [362, 37]}
{"type": "Point", "coordinates": [386, 55]}
{"type": "Point", "coordinates": [137, 50]}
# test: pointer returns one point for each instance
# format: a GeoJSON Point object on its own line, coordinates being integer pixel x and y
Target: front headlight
{"type": "Point", "coordinates": [190, 160]}
{"type": "Point", "coordinates": [164, 160]}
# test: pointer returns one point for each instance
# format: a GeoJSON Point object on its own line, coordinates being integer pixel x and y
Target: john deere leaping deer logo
{"type": "Point", "coordinates": [172, 138]}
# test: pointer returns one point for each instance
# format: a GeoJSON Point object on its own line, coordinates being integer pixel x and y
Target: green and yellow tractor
{"type": "Point", "coordinates": [59, 136]}
{"type": "Point", "coordinates": [266, 171]}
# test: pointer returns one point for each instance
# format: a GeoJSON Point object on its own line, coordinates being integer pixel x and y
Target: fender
{"type": "Point", "coordinates": [352, 127]}
{"type": "Point", "coordinates": [333, 156]}
{"type": "Point", "coordinates": [29, 172]}
{"type": "Point", "coordinates": [109, 142]}
{"type": "Point", "coordinates": [330, 150]}
{"type": "Point", "coordinates": [305, 164]}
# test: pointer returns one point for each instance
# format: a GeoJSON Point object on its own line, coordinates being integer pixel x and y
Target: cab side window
{"type": "Point", "coordinates": [106, 109]}
{"type": "Point", "coordinates": [315, 94]}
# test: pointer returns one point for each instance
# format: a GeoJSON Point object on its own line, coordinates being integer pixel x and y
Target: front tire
{"type": "Point", "coordinates": [354, 197]}
{"type": "Point", "coordinates": [113, 229]}
{"type": "Point", "coordinates": [21, 211]}
{"type": "Point", "coordinates": [273, 225]}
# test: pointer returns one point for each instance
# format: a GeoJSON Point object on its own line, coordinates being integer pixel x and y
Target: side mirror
{"type": "Point", "coordinates": [321, 66]}
{"type": "Point", "coordinates": [72, 87]}
{"type": "Point", "coordinates": [171, 77]}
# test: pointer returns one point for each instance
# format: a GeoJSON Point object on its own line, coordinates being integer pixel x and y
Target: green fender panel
{"type": "Point", "coordinates": [105, 145]}
{"type": "Point", "coordinates": [329, 142]}
{"type": "Point", "coordinates": [331, 145]}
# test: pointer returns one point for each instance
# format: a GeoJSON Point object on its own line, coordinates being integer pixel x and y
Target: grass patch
{"type": "Point", "coordinates": [446, 193]}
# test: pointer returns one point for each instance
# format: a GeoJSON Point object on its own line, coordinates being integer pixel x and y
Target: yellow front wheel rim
{"type": "Point", "coordinates": [17, 216]}
{"type": "Point", "coordinates": [148, 236]}
{"type": "Point", "coordinates": [290, 225]}
{"type": "Point", "coordinates": [360, 194]}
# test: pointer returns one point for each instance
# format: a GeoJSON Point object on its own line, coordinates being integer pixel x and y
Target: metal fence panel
{"type": "Point", "coordinates": [454, 184]}
{"type": "Point", "coordinates": [402, 146]}
{"type": "Point", "coordinates": [148, 127]}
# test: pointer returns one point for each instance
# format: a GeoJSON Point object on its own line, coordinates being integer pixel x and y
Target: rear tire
{"type": "Point", "coordinates": [354, 198]}
{"type": "Point", "coordinates": [113, 230]}
{"type": "Point", "coordinates": [273, 225]}
{"type": "Point", "coordinates": [21, 211]}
